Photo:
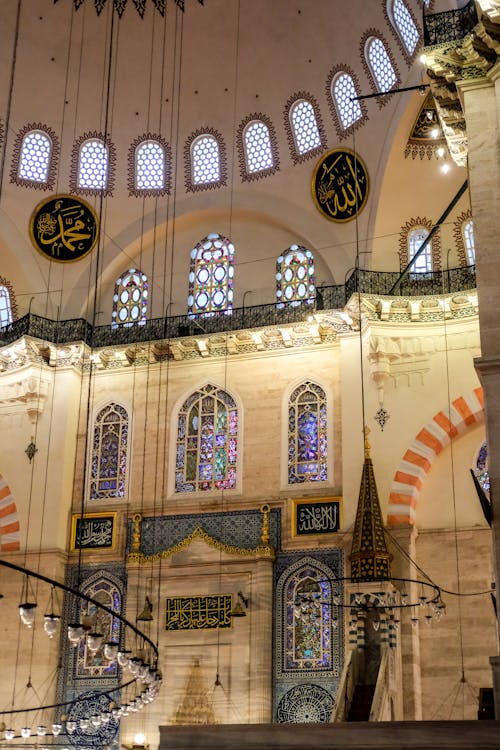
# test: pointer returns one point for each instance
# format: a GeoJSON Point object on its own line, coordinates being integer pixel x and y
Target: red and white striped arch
{"type": "Point", "coordinates": [428, 444]}
{"type": "Point", "coordinates": [10, 537]}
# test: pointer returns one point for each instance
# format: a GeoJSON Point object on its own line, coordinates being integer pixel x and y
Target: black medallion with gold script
{"type": "Point", "coordinates": [340, 185]}
{"type": "Point", "coordinates": [63, 228]}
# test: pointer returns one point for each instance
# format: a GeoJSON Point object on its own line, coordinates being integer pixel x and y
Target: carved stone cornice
{"type": "Point", "coordinates": [28, 394]}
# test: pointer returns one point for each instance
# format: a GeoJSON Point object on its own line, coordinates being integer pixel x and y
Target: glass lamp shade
{"type": "Point", "coordinates": [27, 613]}
{"type": "Point", "coordinates": [9, 734]}
{"type": "Point", "coordinates": [56, 729]}
{"type": "Point", "coordinates": [139, 738]}
{"type": "Point", "coordinates": [75, 632]}
{"type": "Point", "coordinates": [84, 724]}
{"type": "Point", "coordinates": [110, 651]}
{"type": "Point", "coordinates": [105, 717]}
{"type": "Point", "coordinates": [25, 732]}
{"type": "Point", "coordinates": [96, 721]}
{"type": "Point", "coordinates": [123, 658]}
{"type": "Point", "coordinates": [50, 624]}
{"type": "Point", "coordinates": [124, 710]}
{"type": "Point", "coordinates": [143, 671]}
{"type": "Point", "coordinates": [134, 664]}
{"type": "Point", "coordinates": [115, 713]}
{"type": "Point", "coordinates": [94, 641]}
{"type": "Point", "coordinates": [70, 726]}
{"type": "Point", "coordinates": [41, 730]}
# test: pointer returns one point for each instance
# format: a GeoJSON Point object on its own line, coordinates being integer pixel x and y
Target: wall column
{"type": "Point", "coordinates": [260, 609]}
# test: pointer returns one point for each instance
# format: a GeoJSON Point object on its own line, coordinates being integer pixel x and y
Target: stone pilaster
{"type": "Point", "coordinates": [260, 610]}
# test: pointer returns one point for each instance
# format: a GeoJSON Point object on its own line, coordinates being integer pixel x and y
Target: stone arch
{"type": "Point", "coordinates": [10, 537]}
{"type": "Point", "coordinates": [428, 444]}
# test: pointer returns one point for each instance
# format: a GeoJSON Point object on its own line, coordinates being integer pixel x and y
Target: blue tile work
{"type": "Point", "coordinates": [240, 528]}
{"type": "Point", "coordinates": [69, 683]}
{"type": "Point", "coordinates": [304, 694]}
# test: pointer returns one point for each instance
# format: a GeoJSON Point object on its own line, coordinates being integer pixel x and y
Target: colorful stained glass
{"type": "Point", "coordinates": [211, 277]}
{"type": "Point", "coordinates": [481, 470]}
{"type": "Point", "coordinates": [130, 300]}
{"type": "Point", "coordinates": [308, 637]}
{"type": "Point", "coordinates": [307, 434]}
{"type": "Point", "coordinates": [207, 454]}
{"type": "Point", "coordinates": [89, 663]}
{"type": "Point", "coordinates": [109, 453]}
{"type": "Point", "coordinates": [295, 277]}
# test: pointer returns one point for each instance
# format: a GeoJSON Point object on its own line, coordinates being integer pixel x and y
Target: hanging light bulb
{"type": "Point", "coordinates": [25, 733]}
{"type": "Point", "coordinates": [56, 729]}
{"type": "Point", "coordinates": [70, 726]}
{"type": "Point", "coordinates": [96, 721]}
{"type": "Point", "coordinates": [134, 664]}
{"type": "Point", "coordinates": [123, 657]}
{"type": "Point", "coordinates": [27, 613]}
{"type": "Point", "coordinates": [75, 632]}
{"type": "Point", "coordinates": [41, 730]}
{"type": "Point", "coordinates": [50, 624]}
{"type": "Point", "coordinates": [428, 619]}
{"type": "Point", "coordinates": [9, 734]}
{"type": "Point", "coordinates": [110, 650]}
{"type": "Point", "coordinates": [94, 641]}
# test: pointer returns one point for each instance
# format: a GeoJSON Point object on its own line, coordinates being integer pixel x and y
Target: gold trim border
{"type": "Point", "coordinates": [313, 181]}
{"type": "Point", "coordinates": [199, 533]}
{"type": "Point", "coordinates": [308, 501]}
{"type": "Point", "coordinates": [73, 198]}
{"type": "Point", "coordinates": [74, 519]}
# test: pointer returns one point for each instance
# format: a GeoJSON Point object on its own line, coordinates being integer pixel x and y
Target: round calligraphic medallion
{"type": "Point", "coordinates": [64, 228]}
{"type": "Point", "coordinates": [340, 185]}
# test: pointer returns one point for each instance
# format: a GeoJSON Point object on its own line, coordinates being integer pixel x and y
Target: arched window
{"type": "Point", "coordinates": [308, 623]}
{"type": "Point", "coordinates": [92, 165]}
{"type": "Point", "coordinates": [207, 442]}
{"type": "Point", "coordinates": [205, 160]}
{"type": "Point", "coordinates": [211, 276]}
{"type": "Point", "coordinates": [150, 166]}
{"type": "Point", "coordinates": [6, 317]}
{"type": "Point", "coordinates": [258, 147]}
{"type": "Point", "coordinates": [468, 239]}
{"type": "Point", "coordinates": [109, 453]}
{"type": "Point", "coordinates": [406, 28]}
{"type": "Point", "coordinates": [304, 125]}
{"type": "Point", "coordinates": [130, 300]}
{"type": "Point", "coordinates": [295, 277]}
{"type": "Point", "coordinates": [35, 153]}
{"type": "Point", "coordinates": [380, 66]}
{"type": "Point", "coordinates": [416, 238]}
{"type": "Point", "coordinates": [92, 663]}
{"type": "Point", "coordinates": [343, 91]}
{"type": "Point", "coordinates": [307, 434]}
{"type": "Point", "coordinates": [481, 467]}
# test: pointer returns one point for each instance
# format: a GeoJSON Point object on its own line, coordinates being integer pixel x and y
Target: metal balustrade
{"type": "Point", "coordinates": [450, 25]}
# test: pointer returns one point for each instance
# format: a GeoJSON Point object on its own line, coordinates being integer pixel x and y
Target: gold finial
{"type": "Point", "coordinates": [366, 431]}
{"type": "Point", "coordinates": [136, 532]}
{"type": "Point", "coordinates": [265, 510]}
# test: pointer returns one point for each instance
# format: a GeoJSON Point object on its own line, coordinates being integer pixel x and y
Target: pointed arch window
{"type": "Point", "coordinates": [295, 277]}
{"type": "Point", "coordinates": [403, 22]}
{"type": "Point", "coordinates": [211, 276]}
{"type": "Point", "coordinates": [6, 316]}
{"type": "Point", "coordinates": [380, 65]}
{"type": "Point", "coordinates": [207, 442]}
{"type": "Point", "coordinates": [307, 434]}
{"type": "Point", "coordinates": [343, 91]}
{"type": "Point", "coordinates": [468, 240]}
{"type": "Point", "coordinates": [92, 663]}
{"type": "Point", "coordinates": [305, 129]}
{"type": "Point", "coordinates": [481, 467]}
{"type": "Point", "coordinates": [109, 453]}
{"type": "Point", "coordinates": [411, 237]}
{"type": "Point", "coordinates": [130, 300]}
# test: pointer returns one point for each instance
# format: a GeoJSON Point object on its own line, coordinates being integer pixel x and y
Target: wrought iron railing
{"type": "Point", "coordinates": [256, 316]}
{"type": "Point", "coordinates": [450, 25]}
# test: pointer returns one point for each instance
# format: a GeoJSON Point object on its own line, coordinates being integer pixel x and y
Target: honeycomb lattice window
{"type": "Point", "coordinates": [343, 91]}
{"type": "Point", "coordinates": [6, 316]}
{"type": "Point", "coordinates": [130, 300]}
{"type": "Point", "coordinates": [416, 237]}
{"type": "Point", "coordinates": [380, 64]}
{"type": "Point", "coordinates": [150, 166]}
{"type": "Point", "coordinates": [304, 126]}
{"type": "Point", "coordinates": [205, 160]}
{"type": "Point", "coordinates": [35, 156]}
{"type": "Point", "coordinates": [405, 25]}
{"type": "Point", "coordinates": [93, 165]}
{"type": "Point", "coordinates": [258, 150]}
{"type": "Point", "coordinates": [468, 238]}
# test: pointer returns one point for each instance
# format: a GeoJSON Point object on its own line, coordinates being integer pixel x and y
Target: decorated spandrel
{"type": "Point", "coordinates": [340, 185]}
{"type": "Point", "coordinates": [64, 228]}
{"type": "Point", "coordinates": [198, 612]}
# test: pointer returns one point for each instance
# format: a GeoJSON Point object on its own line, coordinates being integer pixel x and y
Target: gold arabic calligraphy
{"type": "Point", "coordinates": [340, 185]}
{"type": "Point", "coordinates": [64, 228]}
{"type": "Point", "coordinates": [198, 612]}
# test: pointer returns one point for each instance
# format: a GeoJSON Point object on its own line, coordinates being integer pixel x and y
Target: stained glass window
{"type": "Point", "coordinates": [468, 238]}
{"type": "Point", "coordinates": [211, 276]}
{"type": "Point", "coordinates": [93, 664]}
{"type": "Point", "coordinates": [93, 165]}
{"type": "Point", "coordinates": [109, 453]}
{"type": "Point", "coordinates": [5, 307]}
{"type": "Point", "coordinates": [308, 637]}
{"type": "Point", "coordinates": [150, 166]}
{"type": "Point", "coordinates": [304, 126]}
{"type": "Point", "coordinates": [35, 156]}
{"type": "Point", "coordinates": [405, 25]}
{"type": "Point", "coordinates": [258, 149]}
{"type": "Point", "coordinates": [343, 91]}
{"type": "Point", "coordinates": [205, 160]}
{"type": "Point", "coordinates": [130, 300]}
{"type": "Point", "coordinates": [416, 237]}
{"type": "Point", "coordinates": [207, 442]}
{"type": "Point", "coordinates": [481, 468]}
{"type": "Point", "coordinates": [380, 64]}
{"type": "Point", "coordinates": [295, 277]}
{"type": "Point", "coordinates": [307, 434]}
